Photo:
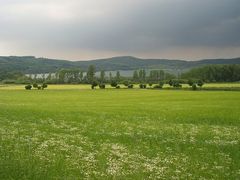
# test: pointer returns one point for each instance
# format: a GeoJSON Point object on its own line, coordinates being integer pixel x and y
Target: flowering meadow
{"type": "Point", "coordinates": [119, 134]}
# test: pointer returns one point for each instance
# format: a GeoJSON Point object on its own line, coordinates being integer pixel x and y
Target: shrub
{"type": "Point", "coordinates": [126, 83]}
{"type": "Point", "coordinates": [143, 86]}
{"type": "Point", "coordinates": [130, 86]}
{"type": "Point", "coordinates": [194, 86]}
{"type": "Point", "coordinates": [176, 84]}
{"type": "Point", "coordinates": [35, 85]}
{"type": "Point", "coordinates": [114, 84]}
{"type": "Point", "coordinates": [118, 87]}
{"type": "Point", "coordinates": [157, 86]}
{"type": "Point", "coordinates": [190, 82]}
{"type": "Point", "coordinates": [161, 84]}
{"type": "Point", "coordinates": [200, 83]}
{"type": "Point", "coordinates": [44, 86]}
{"type": "Point", "coordinates": [94, 84]}
{"type": "Point", "coordinates": [28, 87]}
{"type": "Point", "coordinates": [170, 82]}
{"type": "Point", "coordinates": [102, 86]}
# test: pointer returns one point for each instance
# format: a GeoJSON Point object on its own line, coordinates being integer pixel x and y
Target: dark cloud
{"type": "Point", "coordinates": [146, 28]}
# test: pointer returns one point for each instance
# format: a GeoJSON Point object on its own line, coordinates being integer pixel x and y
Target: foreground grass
{"type": "Point", "coordinates": [119, 134]}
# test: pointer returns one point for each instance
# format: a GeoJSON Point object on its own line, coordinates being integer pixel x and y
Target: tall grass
{"type": "Point", "coordinates": [119, 134]}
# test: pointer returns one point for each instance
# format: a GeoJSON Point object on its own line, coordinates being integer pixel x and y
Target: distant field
{"type": "Point", "coordinates": [87, 86]}
{"type": "Point", "coordinates": [67, 133]}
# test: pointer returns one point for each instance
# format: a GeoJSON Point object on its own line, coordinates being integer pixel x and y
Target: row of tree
{"type": "Point", "coordinates": [211, 73]}
{"type": "Point", "coordinates": [68, 76]}
{"type": "Point", "coordinates": [215, 73]}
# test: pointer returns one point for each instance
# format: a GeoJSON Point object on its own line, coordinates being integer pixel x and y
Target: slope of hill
{"type": "Point", "coordinates": [31, 64]}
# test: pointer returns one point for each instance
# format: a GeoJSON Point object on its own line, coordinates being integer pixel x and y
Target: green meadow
{"type": "Point", "coordinates": [73, 132]}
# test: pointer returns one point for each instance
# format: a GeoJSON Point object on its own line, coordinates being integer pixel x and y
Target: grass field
{"type": "Point", "coordinates": [87, 86]}
{"type": "Point", "coordinates": [67, 133]}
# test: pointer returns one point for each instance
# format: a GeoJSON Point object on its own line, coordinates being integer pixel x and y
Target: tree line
{"type": "Point", "coordinates": [211, 73]}
{"type": "Point", "coordinates": [215, 73]}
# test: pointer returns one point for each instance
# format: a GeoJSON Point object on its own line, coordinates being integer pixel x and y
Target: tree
{"type": "Point", "coordinates": [81, 76]}
{"type": "Point", "coordinates": [161, 75]}
{"type": "Point", "coordinates": [110, 76]}
{"type": "Point", "coordinates": [102, 76]}
{"type": "Point", "coordinates": [118, 76]}
{"type": "Point", "coordinates": [135, 76]}
{"type": "Point", "coordinates": [142, 75]}
{"type": "Point", "coordinates": [49, 77]}
{"type": "Point", "coordinates": [91, 73]}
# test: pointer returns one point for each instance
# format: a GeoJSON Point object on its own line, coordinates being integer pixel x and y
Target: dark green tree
{"type": "Point", "coordinates": [91, 73]}
{"type": "Point", "coordinates": [102, 76]}
{"type": "Point", "coordinates": [118, 76]}
{"type": "Point", "coordinates": [135, 76]}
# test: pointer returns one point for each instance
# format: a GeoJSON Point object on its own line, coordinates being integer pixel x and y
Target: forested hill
{"type": "Point", "coordinates": [31, 64]}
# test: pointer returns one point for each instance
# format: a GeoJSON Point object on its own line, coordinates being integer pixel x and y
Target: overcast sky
{"type": "Point", "coordinates": [90, 29]}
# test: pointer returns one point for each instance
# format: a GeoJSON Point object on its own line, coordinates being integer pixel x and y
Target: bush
{"type": "Point", "coordinates": [28, 87]}
{"type": "Point", "coordinates": [200, 83]}
{"type": "Point", "coordinates": [44, 86]}
{"type": "Point", "coordinates": [126, 83]}
{"type": "Point", "coordinates": [118, 87]}
{"type": "Point", "coordinates": [143, 86]}
{"type": "Point", "coordinates": [190, 82]}
{"type": "Point", "coordinates": [157, 86]}
{"type": "Point", "coordinates": [35, 85]}
{"type": "Point", "coordinates": [114, 84]}
{"type": "Point", "coordinates": [161, 84]}
{"type": "Point", "coordinates": [102, 86]}
{"type": "Point", "coordinates": [94, 84]}
{"type": "Point", "coordinates": [130, 86]}
{"type": "Point", "coordinates": [194, 86]}
{"type": "Point", "coordinates": [176, 84]}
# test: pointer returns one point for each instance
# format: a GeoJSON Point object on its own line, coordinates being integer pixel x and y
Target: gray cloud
{"type": "Point", "coordinates": [81, 29]}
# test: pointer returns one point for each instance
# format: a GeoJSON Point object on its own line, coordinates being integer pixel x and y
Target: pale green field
{"type": "Point", "coordinates": [72, 132]}
{"type": "Point", "coordinates": [87, 86]}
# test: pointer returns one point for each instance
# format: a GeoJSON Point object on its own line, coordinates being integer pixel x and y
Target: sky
{"type": "Point", "coordinates": [93, 29]}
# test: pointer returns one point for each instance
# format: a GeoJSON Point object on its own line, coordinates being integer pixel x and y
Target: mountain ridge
{"type": "Point", "coordinates": [32, 64]}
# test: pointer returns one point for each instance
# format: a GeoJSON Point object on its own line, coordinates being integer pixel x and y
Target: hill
{"type": "Point", "coordinates": [31, 64]}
